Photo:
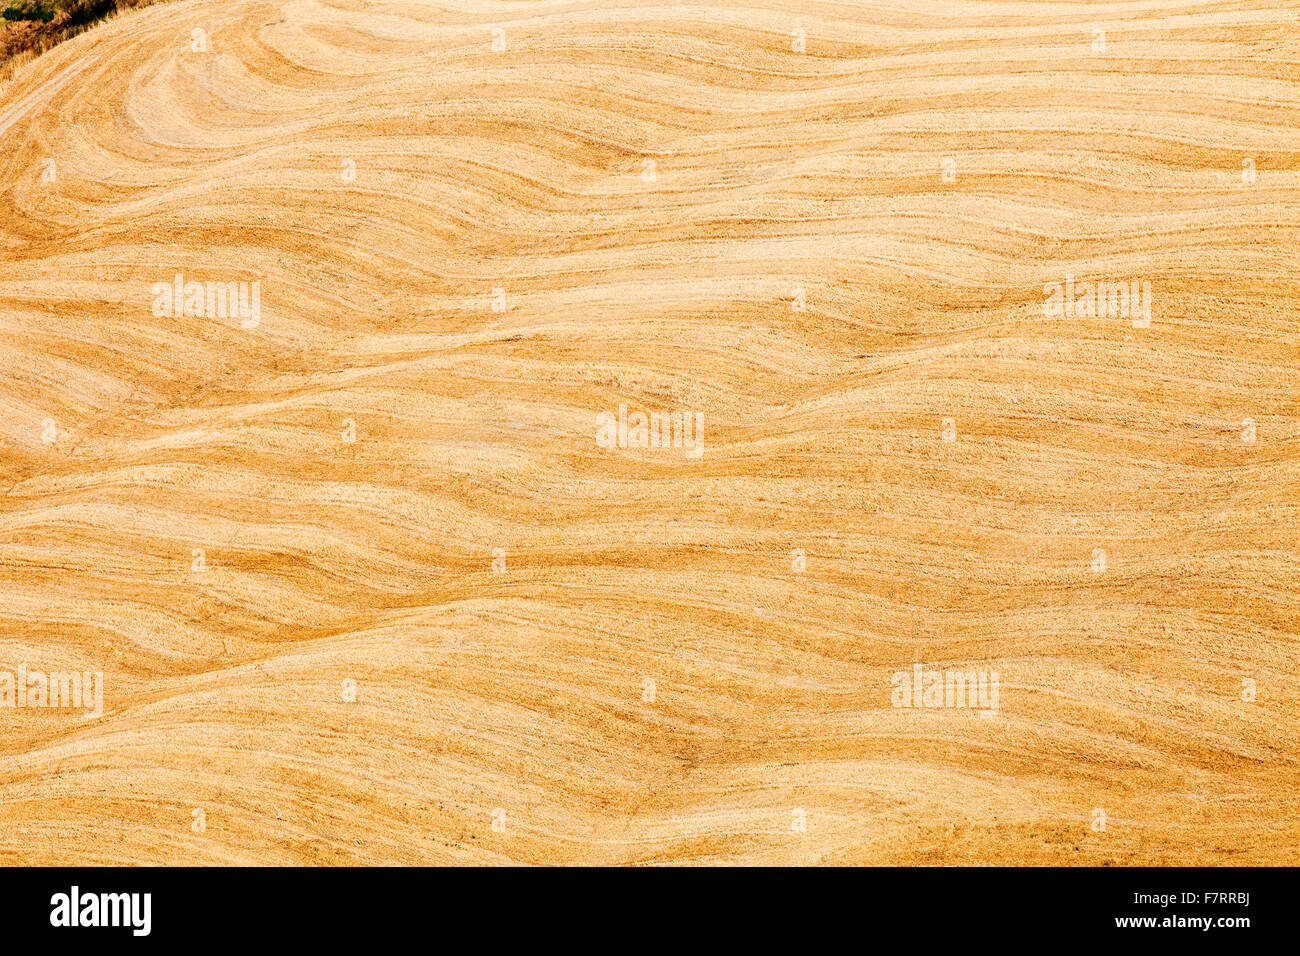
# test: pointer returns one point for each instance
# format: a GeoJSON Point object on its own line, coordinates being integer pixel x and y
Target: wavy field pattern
{"type": "Point", "coordinates": [374, 573]}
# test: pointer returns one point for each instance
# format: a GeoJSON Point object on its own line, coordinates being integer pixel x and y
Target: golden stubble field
{"type": "Point", "coordinates": [374, 570]}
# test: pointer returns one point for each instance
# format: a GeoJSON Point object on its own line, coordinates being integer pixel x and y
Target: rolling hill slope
{"type": "Point", "coordinates": [326, 329]}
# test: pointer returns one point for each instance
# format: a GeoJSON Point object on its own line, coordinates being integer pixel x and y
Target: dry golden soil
{"type": "Point", "coordinates": [329, 336]}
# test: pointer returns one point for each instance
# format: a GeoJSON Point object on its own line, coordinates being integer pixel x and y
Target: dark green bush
{"type": "Point", "coordinates": [29, 11]}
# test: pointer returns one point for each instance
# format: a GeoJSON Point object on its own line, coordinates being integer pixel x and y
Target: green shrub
{"type": "Point", "coordinates": [30, 11]}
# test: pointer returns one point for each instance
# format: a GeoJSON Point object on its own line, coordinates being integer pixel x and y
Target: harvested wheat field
{"type": "Point", "coordinates": [613, 432]}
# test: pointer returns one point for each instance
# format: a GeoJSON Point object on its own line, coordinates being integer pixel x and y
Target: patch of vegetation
{"type": "Point", "coordinates": [88, 11]}
{"type": "Point", "coordinates": [33, 26]}
{"type": "Point", "coordinates": [29, 11]}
